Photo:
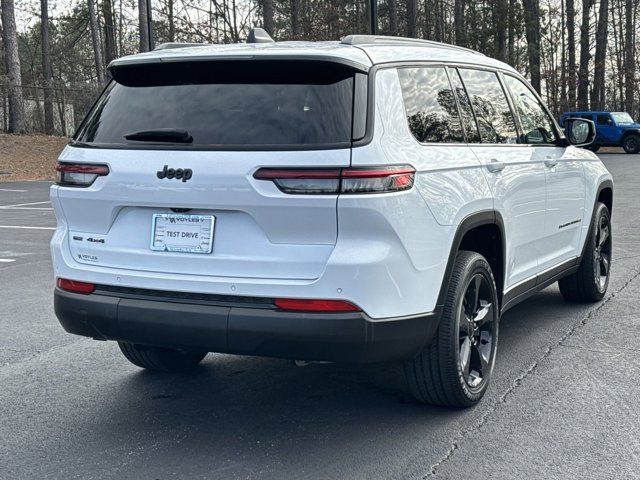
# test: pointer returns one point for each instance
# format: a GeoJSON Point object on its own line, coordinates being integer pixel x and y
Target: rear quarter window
{"type": "Point", "coordinates": [430, 105]}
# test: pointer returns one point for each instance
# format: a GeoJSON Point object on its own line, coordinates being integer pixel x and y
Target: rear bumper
{"type": "Point", "coordinates": [229, 327]}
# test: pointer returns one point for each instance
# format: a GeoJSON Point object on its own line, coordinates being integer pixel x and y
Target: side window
{"type": "Point", "coordinates": [604, 120]}
{"type": "Point", "coordinates": [468, 120]}
{"type": "Point", "coordinates": [490, 105]}
{"type": "Point", "coordinates": [536, 124]}
{"type": "Point", "coordinates": [431, 107]}
{"type": "Point", "coordinates": [587, 117]}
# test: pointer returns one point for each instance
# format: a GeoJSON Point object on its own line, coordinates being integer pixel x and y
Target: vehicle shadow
{"type": "Point", "coordinates": [244, 408]}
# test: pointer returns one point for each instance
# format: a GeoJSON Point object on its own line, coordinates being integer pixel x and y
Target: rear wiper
{"type": "Point", "coordinates": [174, 135]}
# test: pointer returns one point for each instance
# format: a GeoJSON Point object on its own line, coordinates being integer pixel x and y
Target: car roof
{"type": "Point", "coordinates": [360, 51]}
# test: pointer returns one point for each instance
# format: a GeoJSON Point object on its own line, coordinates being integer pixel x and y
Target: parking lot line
{"type": "Point", "coordinates": [26, 208]}
{"type": "Point", "coordinates": [7, 260]}
{"type": "Point", "coordinates": [23, 204]}
{"type": "Point", "coordinates": [12, 190]}
{"type": "Point", "coordinates": [27, 228]}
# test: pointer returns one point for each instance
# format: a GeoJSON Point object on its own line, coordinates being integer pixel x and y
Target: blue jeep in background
{"type": "Point", "coordinates": [613, 129]}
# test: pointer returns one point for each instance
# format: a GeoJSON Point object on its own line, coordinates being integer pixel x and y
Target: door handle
{"type": "Point", "coordinates": [495, 166]}
{"type": "Point", "coordinates": [551, 162]}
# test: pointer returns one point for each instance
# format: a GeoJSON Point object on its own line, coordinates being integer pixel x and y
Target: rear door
{"type": "Point", "coordinates": [515, 175]}
{"type": "Point", "coordinates": [564, 173]}
{"type": "Point", "coordinates": [239, 117]}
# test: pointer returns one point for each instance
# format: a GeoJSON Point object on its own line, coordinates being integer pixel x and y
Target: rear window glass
{"type": "Point", "coordinates": [247, 105]}
{"type": "Point", "coordinates": [490, 105]}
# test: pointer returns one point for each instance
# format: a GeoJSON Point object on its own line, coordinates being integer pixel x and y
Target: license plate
{"type": "Point", "coordinates": [174, 232]}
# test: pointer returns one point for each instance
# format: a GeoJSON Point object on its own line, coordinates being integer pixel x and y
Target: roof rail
{"type": "Point", "coordinates": [382, 39]}
{"type": "Point", "coordinates": [171, 45]}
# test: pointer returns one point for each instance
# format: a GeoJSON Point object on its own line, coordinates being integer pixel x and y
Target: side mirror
{"type": "Point", "coordinates": [580, 131]}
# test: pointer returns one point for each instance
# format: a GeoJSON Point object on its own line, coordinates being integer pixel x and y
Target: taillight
{"type": "Point", "coordinates": [79, 174]}
{"type": "Point", "coordinates": [313, 305]}
{"type": "Point", "coordinates": [75, 286]}
{"type": "Point", "coordinates": [353, 180]}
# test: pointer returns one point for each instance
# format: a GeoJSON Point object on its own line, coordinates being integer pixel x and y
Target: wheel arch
{"type": "Point", "coordinates": [629, 131]}
{"type": "Point", "coordinates": [604, 194]}
{"type": "Point", "coordinates": [481, 232]}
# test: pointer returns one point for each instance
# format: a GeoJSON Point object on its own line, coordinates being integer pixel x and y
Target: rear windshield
{"type": "Point", "coordinates": [239, 105]}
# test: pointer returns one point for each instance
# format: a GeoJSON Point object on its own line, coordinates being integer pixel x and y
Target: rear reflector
{"type": "Point", "coordinates": [79, 174]}
{"type": "Point", "coordinates": [307, 305]}
{"type": "Point", "coordinates": [354, 180]}
{"type": "Point", "coordinates": [74, 286]}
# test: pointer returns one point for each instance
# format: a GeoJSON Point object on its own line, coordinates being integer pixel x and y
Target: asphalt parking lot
{"type": "Point", "coordinates": [563, 401]}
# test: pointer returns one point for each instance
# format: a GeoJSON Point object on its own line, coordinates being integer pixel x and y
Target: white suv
{"type": "Point", "coordinates": [367, 200]}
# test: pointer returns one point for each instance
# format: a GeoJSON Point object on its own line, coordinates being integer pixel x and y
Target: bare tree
{"type": "Point", "coordinates": [583, 71]}
{"type": "Point", "coordinates": [143, 26]}
{"type": "Point", "coordinates": [597, 94]}
{"type": "Point", "coordinates": [12, 66]}
{"type": "Point", "coordinates": [171, 21]}
{"type": "Point", "coordinates": [95, 40]}
{"type": "Point", "coordinates": [511, 33]}
{"type": "Point", "coordinates": [629, 58]}
{"type": "Point", "coordinates": [108, 31]}
{"type": "Point", "coordinates": [47, 74]}
{"type": "Point", "coordinates": [571, 53]}
{"type": "Point", "coordinates": [501, 11]}
{"type": "Point", "coordinates": [367, 14]}
{"type": "Point", "coordinates": [392, 5]}
{"type": "Point", "coordinates": [532, 31]}
{"type": "Point", "coordinates": [267, 16]}
{"type": "Point", "coordinates": [458, 22]}
{"type": "Point", "coordinates": [412, 17]}
{"type": "Point", "coordinates": [295, 18]}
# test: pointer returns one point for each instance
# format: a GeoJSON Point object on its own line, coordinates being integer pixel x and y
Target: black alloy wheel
{"type": "Point", "coordinates": [602, 257]}
{"type": "Point", "coordinates": [590, 282]}
{"type": "Point", "coordinates": [476, 332]}
{"type": "Point", "coordinates": [631, 144]}
{"type": "Point", "coordinates": [454, 369]}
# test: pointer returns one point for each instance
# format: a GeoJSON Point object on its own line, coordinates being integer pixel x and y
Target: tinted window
{"type": "Point", "coordinates": [536, 124]}
{"type": "Point", "coordinates": [604, 120]}
{"type": "Point", "coordinates": [468, 120]}
{"type": "Point", "coordinates": [586, 117]}
{"type": "Point", "coordinates": [274, 106]}
{"type": "Point", "coordinates": [490, 105]}
{"type": "Point", "coordinates": [431, 107]}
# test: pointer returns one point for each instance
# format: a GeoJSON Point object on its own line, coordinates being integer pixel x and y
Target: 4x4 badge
{"type": "Point", "coordinates": [177, 173]}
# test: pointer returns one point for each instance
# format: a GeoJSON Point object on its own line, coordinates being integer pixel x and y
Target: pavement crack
{"type": "Point", "coordinates": [5, 367]}
{"type": "Point", "coordinates": [464, 433]}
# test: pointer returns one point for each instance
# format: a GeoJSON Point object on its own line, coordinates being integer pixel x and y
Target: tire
{"type": "Point", "coordinates": [593, 148]}
{"type": "Point", "coordinates": [631, 144]}
{"type": "Point", "coordinates": [161, 359]}
{"type": "Point", "coordinates": [590, 282]}
{"type": "Point", "coordinates": [438, 376]}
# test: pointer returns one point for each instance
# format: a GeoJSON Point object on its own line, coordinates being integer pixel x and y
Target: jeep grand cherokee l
{"type": "Point", "coordinates": [367, 200]}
